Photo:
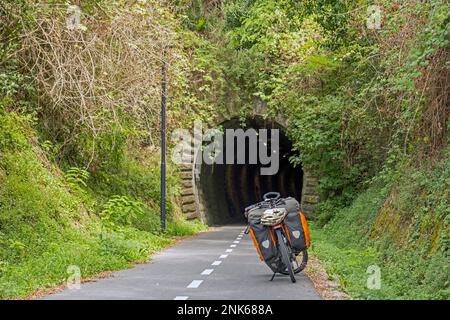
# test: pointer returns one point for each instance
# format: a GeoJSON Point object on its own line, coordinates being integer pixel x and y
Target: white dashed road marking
{"type": "Point", "coordinates": [207, 272]}
{"type": "Point", "coordinates": [195, 284]}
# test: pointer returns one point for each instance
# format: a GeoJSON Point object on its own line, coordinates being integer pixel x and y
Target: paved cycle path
{"type": "Point", "coordinates": [220, 264]}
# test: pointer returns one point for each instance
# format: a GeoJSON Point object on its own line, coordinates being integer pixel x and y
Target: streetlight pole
{"type": "Point", "coordinates": [163, 140]}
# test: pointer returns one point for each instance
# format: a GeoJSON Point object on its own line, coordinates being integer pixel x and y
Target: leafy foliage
{"type": "Point", "coordinates": [405, 236]}
{"type": "Point", "coordinates": [76, 178]}
{"type": "Point", "coordinates": [365, 107]}
{"type": "Point", "coordinates": [367, 112]}
{"type": "Point", "coordinates": [353, 96]}
{"type": "Point", "coordinates": [122, 211]}
{"type": "Point", "coordinates": [79, 177]}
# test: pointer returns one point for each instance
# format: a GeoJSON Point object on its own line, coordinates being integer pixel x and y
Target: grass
{"type": "Point", "coordinates": [50, 221]}
{"type": "Point", "coordinates": [91, 253]}
{"type": "Point", "coordinates": [90, 250]}
{"type": "Point", "coordinates": [401, 231]}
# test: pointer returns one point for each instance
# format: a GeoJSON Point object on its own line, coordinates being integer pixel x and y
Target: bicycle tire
{"type": "Point", "coordinates": [303, 264]}
{"type": "Point", "coordinates": [285, 255]}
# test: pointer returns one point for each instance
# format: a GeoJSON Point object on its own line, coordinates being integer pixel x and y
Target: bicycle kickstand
{"type": "Point", "coordinates": [273, 276]}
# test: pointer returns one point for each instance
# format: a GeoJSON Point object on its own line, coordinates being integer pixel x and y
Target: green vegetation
{"type": "Point", "coordinates": [403, 232]}
{"type": "Point", "coordinates": [50, 220]}
{"type": "Point", "coordinates": [367, 107]}
{"type": "Point", "coordinates": [79, 173]}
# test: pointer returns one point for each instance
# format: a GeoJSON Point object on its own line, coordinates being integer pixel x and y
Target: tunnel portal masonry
{"type": "Point", "coordinates": [210, 145]}
{"type": "Point", "coordinates": [226, 168]}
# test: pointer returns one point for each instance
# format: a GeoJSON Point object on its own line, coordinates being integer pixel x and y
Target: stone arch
{"type": "Point", "coordinates": [193, 195]}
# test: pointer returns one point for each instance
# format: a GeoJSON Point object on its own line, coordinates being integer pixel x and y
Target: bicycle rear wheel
{"type": "Point", "coordinates": [299, 262]}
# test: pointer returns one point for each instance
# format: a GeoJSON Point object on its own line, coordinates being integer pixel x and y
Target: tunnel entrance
{"type": "Point", "coordinates": [226, 189]}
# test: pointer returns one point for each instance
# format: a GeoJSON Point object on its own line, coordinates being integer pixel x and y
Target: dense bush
{"type": "Point", "coordinates": [353, 94]}
{"type": "Point", "coordinates": [406, 236]}
{"type": "Point", "coordinates": [50, 220]}
{"type": "Point", "coordinates": [79, 172]}
{"type": "Point", "coordinates": [368, 113]}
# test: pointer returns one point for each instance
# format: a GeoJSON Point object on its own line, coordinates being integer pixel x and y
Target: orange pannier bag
{"type": "Point", "coordinates": [297, 232]}
{"type": "Point", "coordinates": [305, 229]}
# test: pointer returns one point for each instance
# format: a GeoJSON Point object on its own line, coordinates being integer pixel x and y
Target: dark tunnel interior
{"type": "Point", "coordinates": [228, 188]}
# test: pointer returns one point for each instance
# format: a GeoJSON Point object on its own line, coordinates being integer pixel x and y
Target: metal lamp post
{"type": "Point", "coordinates": [163, 140]}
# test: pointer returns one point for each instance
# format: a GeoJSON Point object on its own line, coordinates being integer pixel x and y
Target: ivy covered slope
{"type": "Point", "coordinates": [367, 104]}
{"type": "Point", "coordinates": [79, 119]}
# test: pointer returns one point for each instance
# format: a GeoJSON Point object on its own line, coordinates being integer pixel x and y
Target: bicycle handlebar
{"type": "Point", "coordinates": [271, 196]}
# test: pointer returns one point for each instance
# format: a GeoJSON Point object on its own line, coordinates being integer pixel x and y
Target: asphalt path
{"type": "Point", "coordinates": [220, 264]}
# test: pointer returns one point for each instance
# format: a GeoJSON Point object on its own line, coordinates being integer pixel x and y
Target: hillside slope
{"type": "Point", "coordinates": [79, 165]}
{"type": "Point", "coordinates": [394, 234]}
{"type": "Point", "coordinates": [364, 86]}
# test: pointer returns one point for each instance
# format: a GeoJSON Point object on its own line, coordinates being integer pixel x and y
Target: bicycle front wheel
{"type": "Point", "coordinates": [285, 256]}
